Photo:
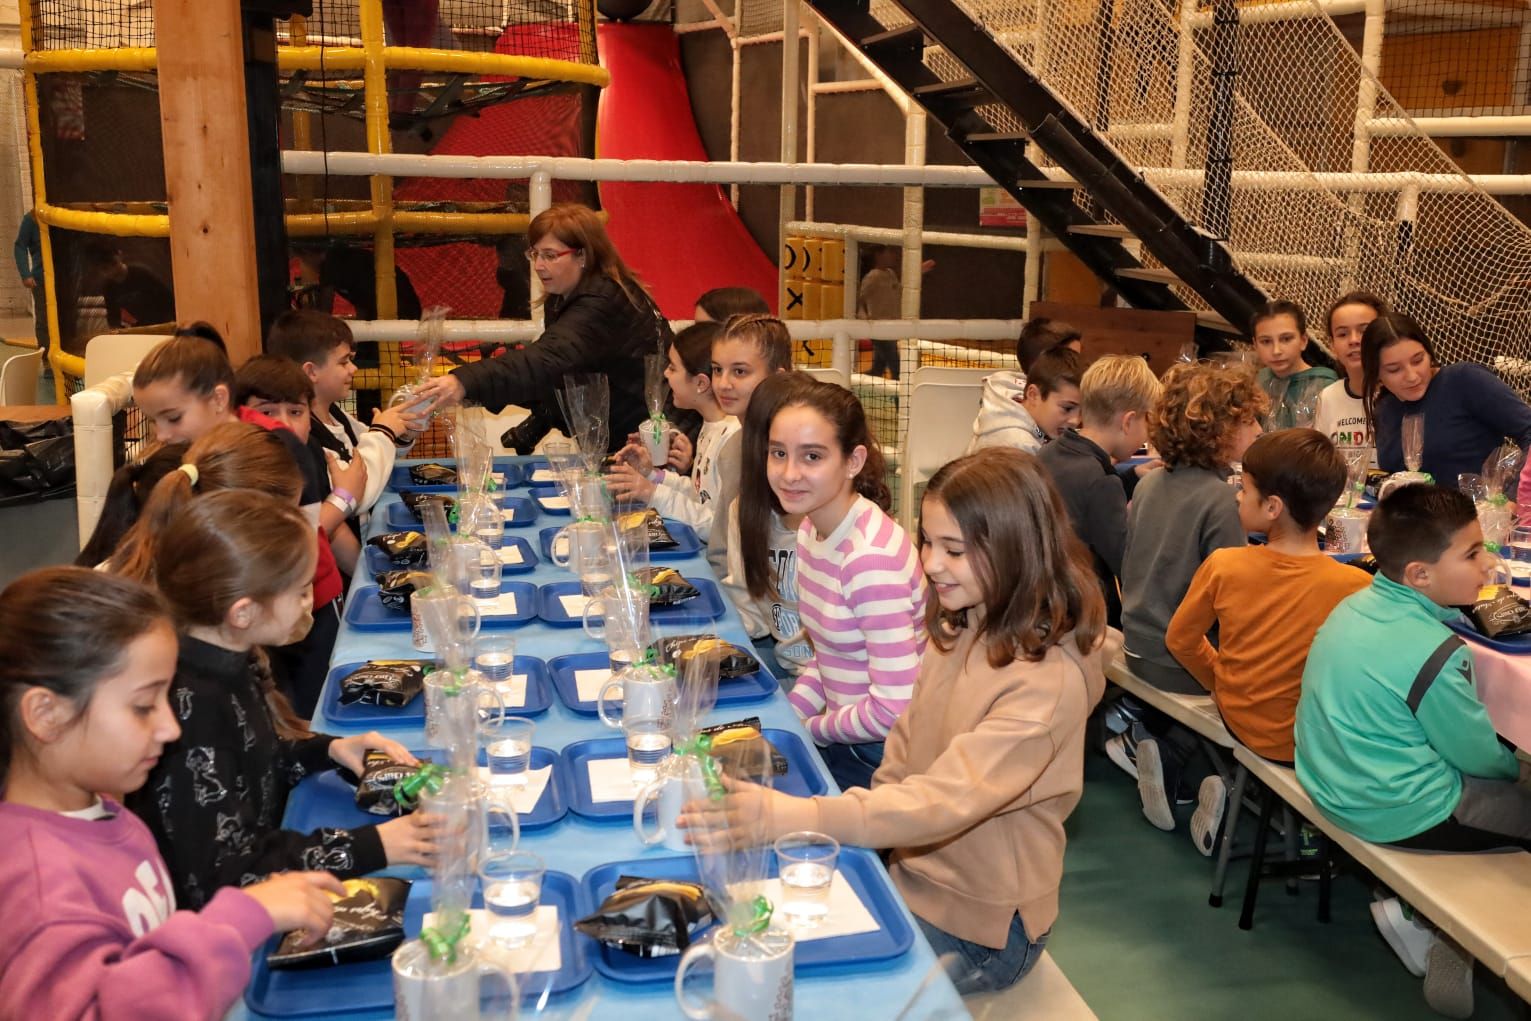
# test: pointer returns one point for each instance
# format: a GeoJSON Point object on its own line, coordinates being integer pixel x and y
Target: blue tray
{"type": "Point", "coordinates": [688, 543]}
{"type": "Point", "coordinates": [1516, 645]}
{"type": "Point", "coordinates": [802, 779]}
{"type": "Point", "coordinates": [377, 560]}
{"type": "Point", "coordinates": [540, 493]}
{"type": "Point", "coordinates": [366, 612]}
{"type": "Point", "coordinates": [367, 986]}
{"type": "Point", "coordinates": [861, 868]}
{"type": "Point", "coordinates": [399, 481]}
{"type": "Point", "coordinates": [524, 512]}
{"type": "Point", "coordinates": [539, 697]}
{"type": "Point", "coordinates": [532, 467]}
{"type": "Point", "coordinates": [753, 687]}
{"type": "Point", "coordinates": [697, 611]}
{"type": "Point", "coordinates": [327, 800]}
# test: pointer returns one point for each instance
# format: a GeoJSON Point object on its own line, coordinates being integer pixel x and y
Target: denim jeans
{"type": "Point", "coordinates": [981, 969]}
{"type": "Point", "coordinates": [852, 765]}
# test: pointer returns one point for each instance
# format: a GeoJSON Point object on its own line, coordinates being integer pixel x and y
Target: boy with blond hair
{"type": "Point", "coordinates": [1265, 602]}
{"type": "Point", "coordinates": [1115, 395]}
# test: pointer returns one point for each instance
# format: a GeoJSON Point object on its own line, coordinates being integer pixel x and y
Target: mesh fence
{"type": "Point", "coordinates": [1291, 131]}
{"type": "Point", "coordinates": [557, 29]}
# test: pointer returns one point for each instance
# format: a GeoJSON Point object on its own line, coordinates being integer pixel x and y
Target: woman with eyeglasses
{"type": "Point", "coordinates": [599, 319]}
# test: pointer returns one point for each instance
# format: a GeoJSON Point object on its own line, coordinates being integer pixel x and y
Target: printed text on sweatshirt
{"type": "Point", "coordinates": [862, 597]}
{"type": "Point", "coordinates": [92, 928]}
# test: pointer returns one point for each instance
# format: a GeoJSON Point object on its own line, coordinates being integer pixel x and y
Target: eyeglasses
{"type": "Point", "coordinates": [535, 255]}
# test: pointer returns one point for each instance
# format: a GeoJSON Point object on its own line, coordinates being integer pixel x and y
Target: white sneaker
{"type": "Point", "coordinates": [1211, 799]}
{"type": "Point", "coordinates": [1405, 932]}
{"type": "Point", "coordinates": [1449, 979]}
{"type": "Point", "coordinates": [1156, 806]}
{"type": "Point", "coordinates": [1119, 752]}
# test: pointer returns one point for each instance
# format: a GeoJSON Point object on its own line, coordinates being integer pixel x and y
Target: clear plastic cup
{"type": "Point", "coordinates": [806, 863]}
{"type": "Point", "coordinates": [512, 887]}
{"type": "Point", "coordinates": [508, 749]}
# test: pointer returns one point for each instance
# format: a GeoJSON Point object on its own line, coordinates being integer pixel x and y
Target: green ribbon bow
{"type": "Point", "coordinates": [759, 920]}
{"type": "Point", "coordinates": [653, 590]}
{"type": "Point", "coordinates": [441, 942]}
{"type": "Point", "coordinates": [700, 748]}
{"type": "Point", "coordinates": [428, 777]}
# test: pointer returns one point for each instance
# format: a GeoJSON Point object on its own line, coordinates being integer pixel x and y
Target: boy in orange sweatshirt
{"type": "Point", "coordinates": [1267, 602]}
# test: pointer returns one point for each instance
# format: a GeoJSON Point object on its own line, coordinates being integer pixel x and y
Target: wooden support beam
{"type": "Point", "coordinates": [207, 168]}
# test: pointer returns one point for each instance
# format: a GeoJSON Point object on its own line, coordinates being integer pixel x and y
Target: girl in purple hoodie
{"type": "Point", "coordinates": [92, 929]}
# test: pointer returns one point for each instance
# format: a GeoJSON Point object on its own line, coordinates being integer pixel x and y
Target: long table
{"type": "Point", "coordinates": [575, 845]}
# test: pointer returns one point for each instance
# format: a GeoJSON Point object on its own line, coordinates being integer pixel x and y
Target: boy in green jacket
{"type": "Point", "coordinates": [1392, 742]}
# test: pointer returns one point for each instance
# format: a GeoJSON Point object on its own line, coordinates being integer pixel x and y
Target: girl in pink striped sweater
{"type": "Point", "coordinates": [861, 592]}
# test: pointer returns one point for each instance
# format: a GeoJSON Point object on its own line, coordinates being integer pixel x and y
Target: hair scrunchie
{"type": "Point", "coordinates": [191, 473]}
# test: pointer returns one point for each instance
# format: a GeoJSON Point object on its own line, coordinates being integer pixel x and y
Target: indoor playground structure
{"type": "Point", "coordinates": [1160, 150]}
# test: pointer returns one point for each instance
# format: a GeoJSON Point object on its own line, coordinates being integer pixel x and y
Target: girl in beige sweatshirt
{"type": "Point", "coordinates": [985, 765]}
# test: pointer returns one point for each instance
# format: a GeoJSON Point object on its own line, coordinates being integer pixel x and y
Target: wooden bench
{"type": "Point", "coordinates": [1045, 994]}
{"type": "Point", "coordinates": [1518, 975]}
{"type": "Point", "coordinates": [1481, 901]}
{"type": "Point", "coordinates": [1198, 712]}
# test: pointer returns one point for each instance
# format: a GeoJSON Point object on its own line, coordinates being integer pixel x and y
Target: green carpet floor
{"type": "Point", "coordinates": [1138, 940]}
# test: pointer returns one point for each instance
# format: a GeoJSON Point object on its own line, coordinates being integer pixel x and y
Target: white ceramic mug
{"type": "Point", "coordinates": [681, 781]}
{"type": "Point", "coordinates": [656, 434]}
{"type": "Point", "coordinates": [644, 691]}
{"type": "Point", "coordinates": [465, 611]}
{"type": "Point", "coordinates": [428, 990]}
{"type": "Point", "coordinates": [752, 977]}
{"type": "Point", "coordinates": [578, 546]}
{"type": "Point", "coordinates": [456, 707]}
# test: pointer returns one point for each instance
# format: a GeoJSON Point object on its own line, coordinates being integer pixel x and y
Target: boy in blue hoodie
{"type": "Point", "coordinates": [1392, 741]}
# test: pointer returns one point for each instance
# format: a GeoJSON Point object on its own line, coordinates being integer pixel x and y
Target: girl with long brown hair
{"type": "Point", "coordinates": [861, 594]}
{"type": "Point", "coordinates": [983, 768]}
{"type": "Point", "coordinates": [599, 319]}
{"type": "Point", "coordinates": [235, 568]}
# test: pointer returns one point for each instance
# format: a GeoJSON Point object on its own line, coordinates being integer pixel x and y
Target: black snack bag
{"type": "Point", "coordinates": [368, 924]}
{"type": "Point", "coordinates": [395, 587]}
{"type": "Point", "coordinates": [731, 746]}
{"type": "Point", "coordinates": [649, 917]}
{"type": "Point", "coordinates": [403, 549]}
{"type": "Point", "coordinates": [416, 503]}
{"type": "Point", "coordinates": [1503, 616]}
{"type": "Point", "coordinates": [659, 535]}
{"type": "Point", "coordinates": [667, 587]}
{"type": "Point", "coordinates": [432, 475]}
{"type": "Point", "coordinates": [679, 649]}
{"type": "Point", "coordinates": [375, 787]}
{"type": "Point", "coordinates": [391, 683]}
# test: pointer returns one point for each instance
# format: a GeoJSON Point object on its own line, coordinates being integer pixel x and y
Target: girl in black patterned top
{"type": "Point", "coordinates": [235, 567]}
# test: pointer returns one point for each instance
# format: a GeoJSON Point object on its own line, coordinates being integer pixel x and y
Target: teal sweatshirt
{"type": "Point", "coordinates": [1300, 390]}
{"type": "Point", "coordinates": [1379, 767]}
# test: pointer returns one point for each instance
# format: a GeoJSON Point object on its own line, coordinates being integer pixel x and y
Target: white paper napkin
{"type": "Point", "coordinates": [498, 477]}
{"type": "Point", "coordinates": [588, 683]}
{"type": "Point", "coordinates": [611, 780]}
{"type": "Point", "coordinates": [524, 798]}
{"type": "Point", "coordinates": [512, 691]}
{"type": "Point", "coordinates": [848, 916]}
{"type": "Point", "coordinates": [542, 953]}
{"type": "Point", "coordinates": [554, 502]}
{"type": "Point", "coordinates": [574, 605]}
{"type": "Point", "coordinates": [511, 554]}
{"type": "Point", "coordinates": [502, 605]}
{"type": "Point", "coordinates": [542, 475]}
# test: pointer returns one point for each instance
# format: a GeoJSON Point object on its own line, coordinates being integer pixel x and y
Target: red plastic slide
{"type": "Point", "coordinates": [682, 239]}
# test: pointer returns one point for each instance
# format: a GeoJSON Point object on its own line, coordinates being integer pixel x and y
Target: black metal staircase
{"type": "Point", "coordinates": [1187, 255]}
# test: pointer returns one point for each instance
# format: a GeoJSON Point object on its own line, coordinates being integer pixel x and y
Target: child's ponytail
{"type": "Point", "coordinates": [228, 546]}
{"type": "Point", "coordinates": [64, 629]}
{"type": "Point", "coordinates": [125, 498]}
{"type": "Point", "coordinates": [233, 455]}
